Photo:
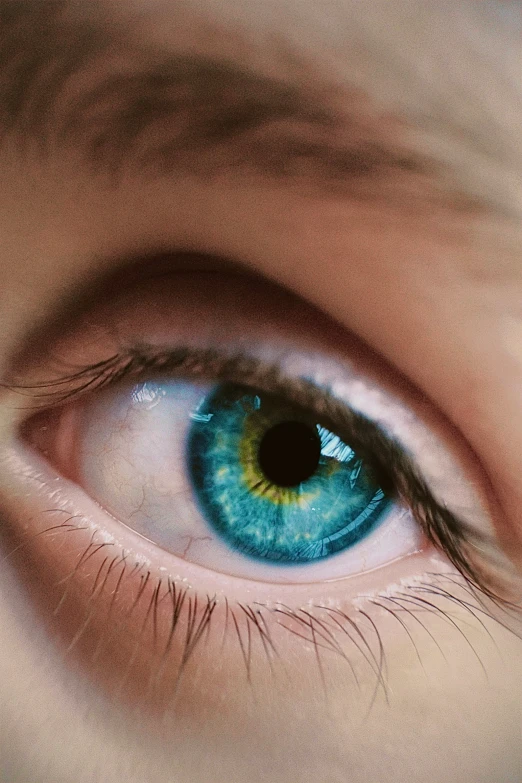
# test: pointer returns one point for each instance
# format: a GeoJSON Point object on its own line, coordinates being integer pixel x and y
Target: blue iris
{"type": "Point", "coordinates": [275, 484]}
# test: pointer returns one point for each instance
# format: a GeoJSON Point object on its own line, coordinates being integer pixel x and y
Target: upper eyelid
{"type": "Point", "coordinates": [441, 525]}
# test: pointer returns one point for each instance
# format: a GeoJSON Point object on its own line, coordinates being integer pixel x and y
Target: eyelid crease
{"type": "Point", "coordinates": [394, 467]}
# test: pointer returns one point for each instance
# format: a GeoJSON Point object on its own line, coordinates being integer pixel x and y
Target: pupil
{"type": "Point", "coordinates": [289, 453]}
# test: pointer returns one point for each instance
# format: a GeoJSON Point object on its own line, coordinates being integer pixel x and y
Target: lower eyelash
{"type": "Point", "coordinates": [355, 636]}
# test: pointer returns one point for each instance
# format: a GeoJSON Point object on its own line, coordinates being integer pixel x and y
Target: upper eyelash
{"type": "Point", "coordinates": [392, 463]}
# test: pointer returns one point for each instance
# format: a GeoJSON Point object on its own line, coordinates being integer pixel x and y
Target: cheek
{"type": "Point", "coordinates": [359, 706]}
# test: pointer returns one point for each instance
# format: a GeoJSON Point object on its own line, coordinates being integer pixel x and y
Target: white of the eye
{"type": "Point", "coordinates": [133, 462]}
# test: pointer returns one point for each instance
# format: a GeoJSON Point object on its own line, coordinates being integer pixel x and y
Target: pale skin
{"type": "Point", "coordinates": [422, 265]}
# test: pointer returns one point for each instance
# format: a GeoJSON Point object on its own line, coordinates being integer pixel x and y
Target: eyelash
{"type": "Point", "coordinates": [394, 468]}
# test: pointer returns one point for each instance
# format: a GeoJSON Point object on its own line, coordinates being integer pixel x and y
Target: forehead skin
{"type": "Point", "coordinates": [429, 274]}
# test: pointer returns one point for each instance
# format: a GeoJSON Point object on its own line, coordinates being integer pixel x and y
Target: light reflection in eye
{"type": "Point", "coordinates": [148, 395]}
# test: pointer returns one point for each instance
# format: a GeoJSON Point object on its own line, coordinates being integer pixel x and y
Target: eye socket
{"type": "Point", "coordinates": [131, 438]}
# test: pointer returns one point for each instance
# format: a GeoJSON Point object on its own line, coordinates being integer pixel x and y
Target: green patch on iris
{"type": "Point", "coordinates": [256, 424]}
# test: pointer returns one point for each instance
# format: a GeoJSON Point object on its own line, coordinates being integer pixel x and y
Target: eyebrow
{"type": "Point", "coordinates": [76, 80]}
{"type": "Point", "coordinates": [167, 113]}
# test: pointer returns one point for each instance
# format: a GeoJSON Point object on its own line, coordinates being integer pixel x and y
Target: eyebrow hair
{"type": "Point", "coordinates": [73, 80]}
{"type": "Point", "coordinates": [168, 113]}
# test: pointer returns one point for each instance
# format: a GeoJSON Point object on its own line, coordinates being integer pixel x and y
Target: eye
{"type": "Point", "coordinates": [268, 454]}
{"type": "Point", "coordinates": [233, 478]}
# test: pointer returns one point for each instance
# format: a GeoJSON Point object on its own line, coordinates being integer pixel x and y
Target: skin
{"type": "Point", "coordinates": [433, 288]}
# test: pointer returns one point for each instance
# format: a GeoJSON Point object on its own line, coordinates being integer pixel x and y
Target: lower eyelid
{"type": "Point", "coordinates": [114, 610]}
